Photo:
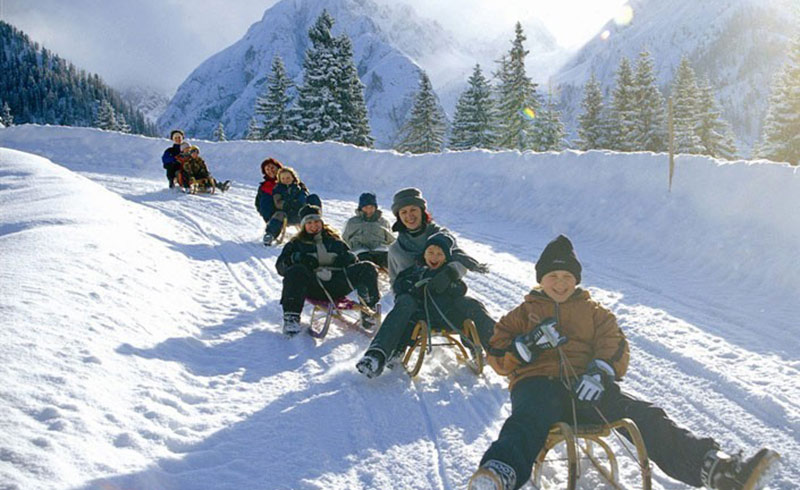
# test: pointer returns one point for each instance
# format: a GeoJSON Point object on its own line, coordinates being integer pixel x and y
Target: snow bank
{"type": "Point", "coordinates": [735, 220]}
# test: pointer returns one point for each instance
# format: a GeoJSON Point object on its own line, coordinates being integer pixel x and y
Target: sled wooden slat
{"type": "Point", "coordinates": [415, 353]}
{"type": "Point", "coordinates": [590, 435]}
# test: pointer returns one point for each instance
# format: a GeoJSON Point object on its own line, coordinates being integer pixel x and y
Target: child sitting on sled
{"type": "Point", "coordinates": [564, 357]}
{"type": "Point", "coordinates": [288, 196]}
{"type": "Point", "coordinates": [194, 169]}
{"type": "Point", "coordinates": [368, 233]}
{"type": "Point", "coordinates": [317, 264]}
{"type": "Point", "coordinates": [431, 291]}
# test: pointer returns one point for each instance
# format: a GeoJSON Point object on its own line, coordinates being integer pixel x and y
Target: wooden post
{"type": "Point", "coordinates": [671, 144]}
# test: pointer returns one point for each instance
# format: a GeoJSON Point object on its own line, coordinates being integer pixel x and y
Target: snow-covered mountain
{"type": "Point", "coordinates": [224, 87]}
{"type": "Point", "coordinates": [151, 102]}
{"type": "Point", "coordinates": [738, 45]}
{"type": "Point", "coordinates": [142, 345]}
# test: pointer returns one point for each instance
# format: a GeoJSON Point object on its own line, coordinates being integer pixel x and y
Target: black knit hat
{"type": "Point", "coordinates": [443, 241]}
{"type": "Point", "coordinates": [309, 212]}
{"type": "Point", "coordinates": [367, 199]}
{"type": "Point", "coordinates": [558, 255]}
{"type": "Point", "coordinates": [410, 196]}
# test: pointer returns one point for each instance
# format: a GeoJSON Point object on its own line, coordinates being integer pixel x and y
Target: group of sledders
{"type": "Point", "coordinates": [186, 169]}
{"type": "Point", "coordinates": [563, 353]}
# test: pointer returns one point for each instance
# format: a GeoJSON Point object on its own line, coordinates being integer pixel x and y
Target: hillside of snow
{"type": "Point", "coordinates": [141, 334]}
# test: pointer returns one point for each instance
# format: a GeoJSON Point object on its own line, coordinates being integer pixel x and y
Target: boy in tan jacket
{"type": "Point", "coordinates": [564, 355]}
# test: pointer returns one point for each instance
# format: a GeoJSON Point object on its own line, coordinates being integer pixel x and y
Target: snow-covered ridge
{"type": "Point", "coordinates": [731, 218]}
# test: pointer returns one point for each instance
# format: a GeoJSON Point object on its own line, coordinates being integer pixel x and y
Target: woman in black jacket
{"type": "Point", "coordinates": [316, 263]}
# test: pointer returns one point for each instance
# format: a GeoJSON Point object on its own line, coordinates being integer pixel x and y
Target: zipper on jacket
{"type": "Point", "coordinates": [560, 355]}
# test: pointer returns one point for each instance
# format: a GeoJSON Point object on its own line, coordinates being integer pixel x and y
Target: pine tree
{"type": "Point", "coordinates": [517, 102]}
{"type": "Point", "coordinates": [648, 132]}
{"type": "Point", "coordinates": [122, 124]}
{"type": "Point", "coordinates": [6, 118]}
{"type": "Point", "coordinates": [425, 129]}
{"type": "Point", "coordinates": [685, 103]}
{"type": "Point", "coordinates": [714, 133]}
{"type": "Point", "coordinates": [780, 140]}
{"type": "Point", "coordinates": [549, 131]}
{"type": "Point", "coordinates": [254, 131]}
{"type": "Point", "coordinates": [219, 133]}
{"type": "Point", "coordinates": [106, 118]}
{"type": "Point", "coordinates": [591, 124]}
{"type": "Point", "coordinates": [623, 109]}
{"type": "Point", "coordinates": [354, 120]}
{"type": "Point", "coordinates": [274, 105]}
{"type": "Point", "coordinates": [474, 117]}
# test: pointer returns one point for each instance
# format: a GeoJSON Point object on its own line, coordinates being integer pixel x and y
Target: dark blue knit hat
{"type": "Point", "coordinates": [367, 199]}
{"type": "Point", "coordinates": [443, 241]}
{"type": "Point", "coordinates": [558, 255]}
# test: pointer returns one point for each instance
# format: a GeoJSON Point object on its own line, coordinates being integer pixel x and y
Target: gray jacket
{"type": "Point", "coordinates": [361, 233]}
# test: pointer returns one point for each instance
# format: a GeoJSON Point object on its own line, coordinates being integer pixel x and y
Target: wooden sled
{"type": "Point", "coordinates": [202, 186]}
{"type": "Point", "coordinates": [336, 310]}
{"type": "Point", "coordinates": [466, 344]}
{"type": "Point", "coordinates": [590, 435]}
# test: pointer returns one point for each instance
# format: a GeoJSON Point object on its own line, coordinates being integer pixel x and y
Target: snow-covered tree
{"type": "Point", "coordinates": [318, 112]}
{"type": "Point", "coordinates": [622, 116]}
{"type": "Point", "coordinates": [254, 131]}
{"type": "Point", "coordinates": [274, 105]}
{"type": "Point", "coordinates": [591, 123]}
{"type": "Point", "coordinates": [219, 132]}
{"type": "Point", "coordinates": [548, 130]}
{"type": "Point", "coordinates": [780, 139]}
{"type": "Point", "coordinates": [473, 121]}
{"type": "Point", "coordinates": [648, 132]}
{"type": "Point", "coordinates": [425, 128]}
{"type": "Point", "coordinates": [713, 131]}
{"type": "Point", "coordinates": [331, 103]}
{"type": "Point", "coordinates": [517, 102]}
{"type": "Point", "coordinates": [106, 118]}
{"type": "Point", "coordinates": [354, 120]}
{"type": "Point", "coordinates": [685, 106]}
{"type": "Point", "coordinates": [6, 118]}
{"type": "Point", "coordinates": [122, 124]}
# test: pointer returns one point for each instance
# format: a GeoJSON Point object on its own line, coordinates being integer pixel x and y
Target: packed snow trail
{"type": "Point", "coordinates": [208, 394]}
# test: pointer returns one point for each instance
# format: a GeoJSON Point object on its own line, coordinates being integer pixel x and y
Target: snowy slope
{"type": "Point", "coordinates": [142, 349]}
{"type": "Point", "coordinates": [738, 45]}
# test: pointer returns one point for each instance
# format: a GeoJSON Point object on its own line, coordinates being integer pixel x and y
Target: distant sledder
{"type": "Point", "coordinates": [317, 264]}
{"type": "Point", "coordinates": [170, 157]}
{"type": "Point", "coordinates": [264, 201]}
{"type": "Point", "coordinates": [194, 176]}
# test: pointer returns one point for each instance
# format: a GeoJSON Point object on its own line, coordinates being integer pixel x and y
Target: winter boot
{"type": "Point", "coordinates": [368, 321]}
{"type": "Point", "coordinates": [268, 238]}
{"type": "Point", "coordinates": [291, 324]}
{"type": "Point", "coordinates": [723, 472]}
{"type": "Point", "coordinates": [493, 475]}
{"type": "Point", "coordinates": [226, 185]}
{"type": "Point", "coordinates": [371, 365]}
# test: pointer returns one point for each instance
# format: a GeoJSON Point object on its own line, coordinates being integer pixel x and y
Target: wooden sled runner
{"type": "Point", "coordinates": [466, 344]}
{"type": "Point", "coordinates": [336, 310]}
{"type": "Point", "coordinates": [590, 435]}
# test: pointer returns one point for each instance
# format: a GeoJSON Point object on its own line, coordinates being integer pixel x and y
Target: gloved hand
{"type": "Point", "coordinates": [544, 336]}
{"type": "Point", "coordinates": [592, 383]}
{"type": "Point", "coordinates": [481, 269]}
{"type": "Point", "coordinates": [442, 280]}
{"type": "Point", "coordinates": [307, 260]}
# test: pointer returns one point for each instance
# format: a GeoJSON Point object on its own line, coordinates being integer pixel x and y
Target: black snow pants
{"type": "Point", "coordinates": [300, 282]}
{"type": "Point", "coordinates": [537, 403]}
